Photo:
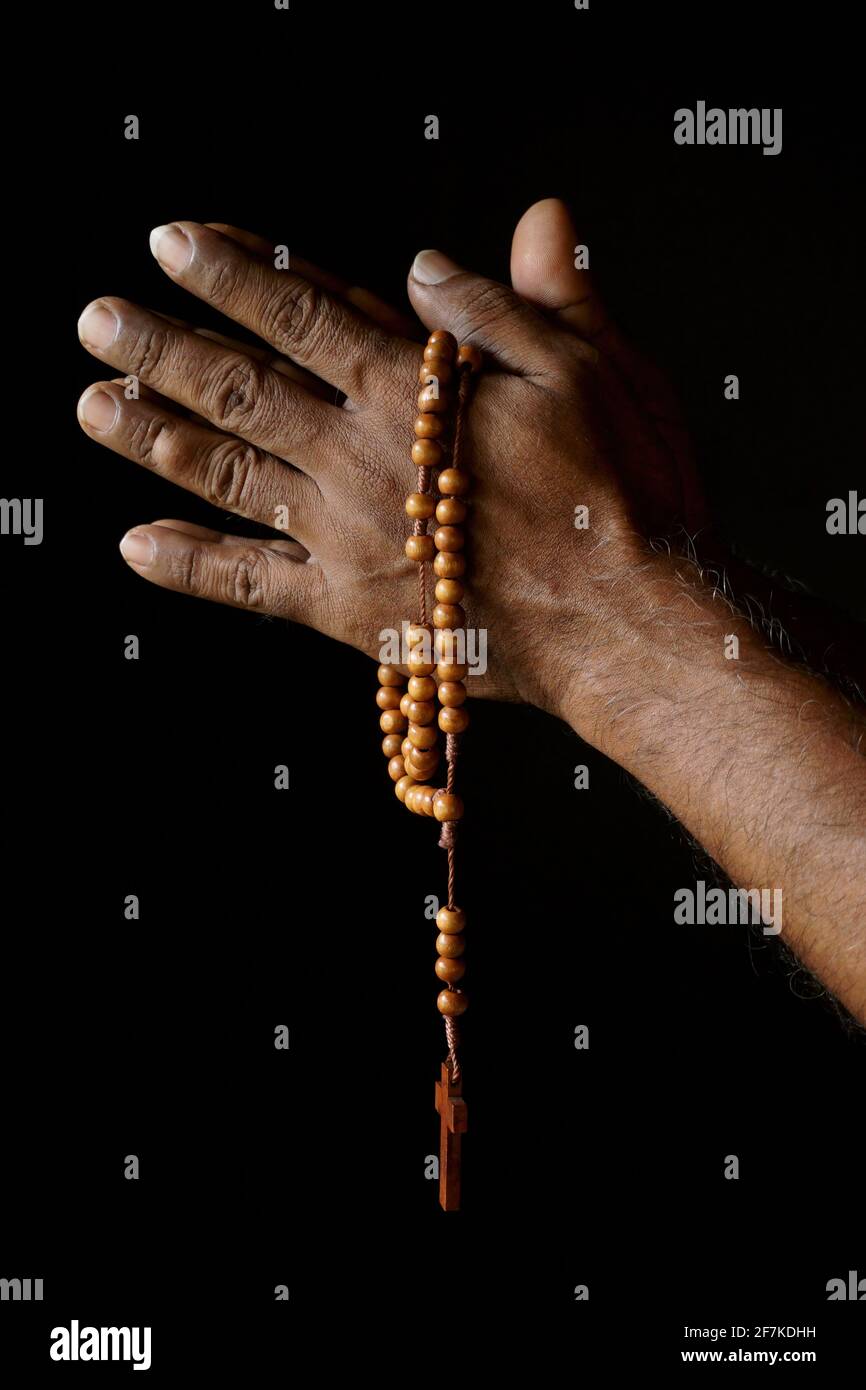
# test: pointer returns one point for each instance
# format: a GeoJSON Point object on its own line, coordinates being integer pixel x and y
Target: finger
{"type": "Point", "coordinates": [493, 317]}
{"type": "Point", "coordinates": [298, 318]}
{"type": "Point", "coordinates": [543, 272]}
{"type": "Point", "coordinates": [257, 245]}
{"type": "Point", "coordinates": [313, 384]}
{"type": "Point", "coordinates": [229, 389]}
{"type": "Point", "coordinates": [543, 253]}
{"type": "Point", "coordinates": [382, 313]}
{"type": "Point", "coordinates": [250, 574]}
{"type": "Point", "coordinates": [206, 533]}
{"type": "Point", "coordinates": [145, 393]}
{"type": "Point", "coordinates": [225, 471]}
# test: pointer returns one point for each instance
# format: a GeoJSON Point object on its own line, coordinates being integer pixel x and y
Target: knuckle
{"type": "Point", "coordinates": [226, 473]}
{"type": "Point", "coordinates": [236, 393]}
{"type": "Point", "coordinates": [297, 319]}
{"type": "Point", "coordinates": [225, 279]}
{"type": "Point", "coordinates": [146, 434]}
{"type": "Point", "coordinates": [148, 351]}
{"type": "Point", "coordinates": [246, 579]}
{"type": "Point", "coordinates": [487, 306]}
{"type": "Point", "coordinates": [186, 570]}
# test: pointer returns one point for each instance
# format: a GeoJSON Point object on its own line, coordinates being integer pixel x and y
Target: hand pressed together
{"type": "Point", "coordinates": [621, 636]}
{"type": "Point", "coordinates": [565, 415]}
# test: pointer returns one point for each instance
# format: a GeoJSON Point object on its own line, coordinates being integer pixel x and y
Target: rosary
{"type": "Point", "coordinates": [411, 742]}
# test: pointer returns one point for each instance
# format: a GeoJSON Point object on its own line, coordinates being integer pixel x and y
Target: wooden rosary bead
{"type": "Point", "coordinates": [422, 735]}
{"type": "Point", "coordinates": [416, 773]}
{"type": "Point", "coordinates": [432, 401]}
{"type": "Point", "coordinates": [452, 693]}
{"type": "Point", "coordinates": [410, 798]}
{"type": "Point", "coordinates": [391, 721]}
{"type": "Point", "coordinates": [391, 745]}
{"type": "Point", "coordinates": [427, 453]}
{"type": "Point", "coordinates": [449, 565]}
{"type": "Point", "coordinates": [449, 644]}
{"type": "Point", "coordinates": [449, 616]}
{"type": "Point", "coordinates": [402, 787]}
{"type": "Point", "coordinates": [453, 721]}
{"type": "Point", "coordinates": [396, 769]}
{"type": "Point", "coordinates": [405, 702]}
{"type": "Point", "coordinates": [420, 800]}
{"type": "Point", "coordinates": [444, 342]}
{"type": "Point", "coordinates": [469, 357]}
{"type": "Point", "coordinates": [422, 688]}
{"type": "Point", "coordinates": [420, 506]}
{"type": "Point", "coordinates": [407, 747]}
{"type": "Point", "coordinates": [454, 482]}
{"type": "Point", "coordinates": [449, 538]}
{"type": "Point", "coordinates": [450, 920]}
{"type": "Point", "coordinates": [450, 511]}
{"type": "Point", "coordinates": [448, 591]}
{"type": "Point", "coordinates": [418, 663]}
{"type": "Point", "coordinates": [425, 759]}
{"type": "Point", "coordinates": [447, 806]}
{"type": "Point", "coordinates": [420, 548]}
{"type": "Point", "coordinates": [417, 633]}
{"type": "Point", "coordinates": [449, 671]}
{"type": "Point", "coordinates": [450, 969]}
{"type": "Point", "coordinates": [450, 946]}
{"type": "Point", "coordinates": [418, 711]}
{"type": "Point", "coordinates": [389, 675]}
{"type": "Point", "coordinates": [429, 426]}
{"type": "Point", "coordinates": [438, 368]}
{"type": "Point", "coordinates": [388, 697]}
{"type": "Point", "coordinates": [452, 1003]}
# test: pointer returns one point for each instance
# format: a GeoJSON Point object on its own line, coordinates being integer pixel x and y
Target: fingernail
{"type": "Point", "coordinates": [97, 327]}
{"type": "Point", "coordinates": [137, 547]}
{"type": "Point", "coordinates": [172, 248]}
{"type": "Point", "coordinates": [431, 267]}
{"type": "Point", "coordinates": [99, 410]}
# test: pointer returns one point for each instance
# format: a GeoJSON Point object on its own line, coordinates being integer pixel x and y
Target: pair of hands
{"type": "Point", "coordinates": [566, 413]}
{"type": "Point", "coordinates": [757, 757]}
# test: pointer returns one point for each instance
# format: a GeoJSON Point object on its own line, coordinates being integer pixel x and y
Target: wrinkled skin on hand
{"type": "Point", "coordinates": [565, 414]}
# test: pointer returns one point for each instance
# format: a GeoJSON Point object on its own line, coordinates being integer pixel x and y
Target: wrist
{"type": "Point", "coordinates": [660, 658]}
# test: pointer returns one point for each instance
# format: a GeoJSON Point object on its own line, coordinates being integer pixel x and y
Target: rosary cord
{"type": "Point", "coordinates": [451, 757]}
{"type": "Point", "coordinates": [422, 593]}
{"type": "Point", "coordinates": [452, 1037]}
{"type": "Point", "coordinates": [462, 399]}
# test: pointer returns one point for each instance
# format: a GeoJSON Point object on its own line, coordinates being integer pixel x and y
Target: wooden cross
{"type": "Point", "coordinates": [452, 1124]}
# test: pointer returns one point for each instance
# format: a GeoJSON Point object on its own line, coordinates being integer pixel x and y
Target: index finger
{"type": "Point", "coordinates": [298, 318]}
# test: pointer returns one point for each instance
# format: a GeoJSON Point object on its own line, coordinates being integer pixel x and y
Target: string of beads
{"type": "Point", "coordinates": [416, 709]}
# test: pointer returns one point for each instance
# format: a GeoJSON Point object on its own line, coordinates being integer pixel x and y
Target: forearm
{"type": "Point", "coordinates": [760, 760]}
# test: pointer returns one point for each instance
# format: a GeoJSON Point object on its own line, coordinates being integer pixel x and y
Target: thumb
{"type": "Point", "coordinates": [482, 312]}
{"type": "Point", "coordinates": [543, 271]}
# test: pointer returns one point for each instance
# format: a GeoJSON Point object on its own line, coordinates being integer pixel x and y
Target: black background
{"type": "Point", "coordinates": [306, 907]}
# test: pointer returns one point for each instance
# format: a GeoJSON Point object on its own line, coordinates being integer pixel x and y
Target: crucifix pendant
{"type": "Point", "coordinates": [452, 1124]}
